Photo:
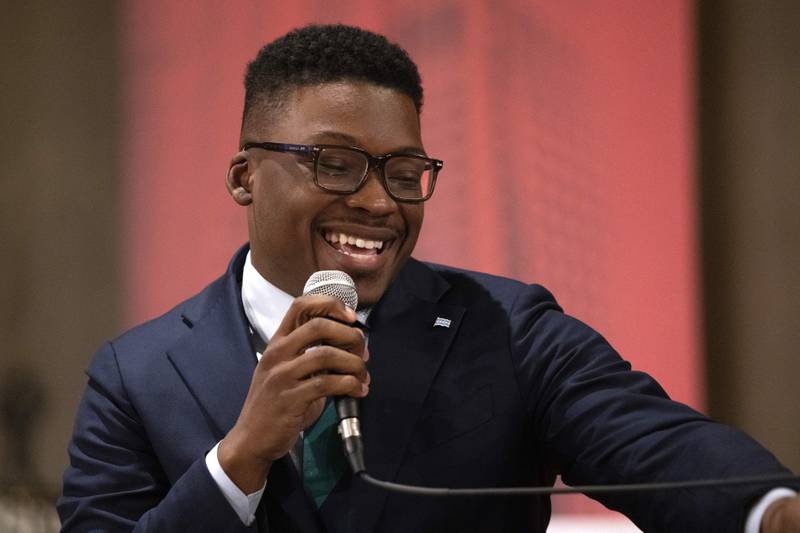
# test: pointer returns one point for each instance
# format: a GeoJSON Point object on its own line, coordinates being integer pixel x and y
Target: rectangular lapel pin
{"type": "Point", "coordinates": [441, 322]}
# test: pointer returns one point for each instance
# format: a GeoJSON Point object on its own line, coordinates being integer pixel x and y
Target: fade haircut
{"type": "Point", "coordinates": [317, 54]}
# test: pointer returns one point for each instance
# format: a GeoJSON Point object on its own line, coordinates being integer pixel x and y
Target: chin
{"type": "Point", "coordinates": [367, 298]}
{"type": "Point", "coordinates": [370, 291]}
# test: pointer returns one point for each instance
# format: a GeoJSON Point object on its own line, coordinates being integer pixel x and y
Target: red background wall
{"type": "Point", "coordinates": [567, 131]}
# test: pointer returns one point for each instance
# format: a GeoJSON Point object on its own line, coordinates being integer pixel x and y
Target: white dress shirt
{"type": "Point", "coordinates": [265, 306]}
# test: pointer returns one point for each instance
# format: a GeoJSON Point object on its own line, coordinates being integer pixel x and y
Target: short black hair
{"type": "Point", "coordinates": [317, 54]}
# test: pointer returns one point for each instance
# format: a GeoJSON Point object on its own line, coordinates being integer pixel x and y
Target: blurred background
{"type": "Point", "coordinates": [640, 159]}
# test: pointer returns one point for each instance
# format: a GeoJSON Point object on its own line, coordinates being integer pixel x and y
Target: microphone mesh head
{"type": "Point", "coordinates": [333, 283]}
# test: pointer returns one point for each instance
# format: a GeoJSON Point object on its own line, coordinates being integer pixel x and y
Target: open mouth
{"type": "Point", "coordinates": [354, 245]}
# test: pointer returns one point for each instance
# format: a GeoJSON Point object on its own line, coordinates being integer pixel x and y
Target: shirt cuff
{"type": "Point", "coordinates": [244, 504]}
{"type": "Point", "coordinates": [753, 524]}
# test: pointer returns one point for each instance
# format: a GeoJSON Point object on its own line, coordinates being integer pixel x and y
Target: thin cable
{"type": "Point", "coordinates": [586, 489]}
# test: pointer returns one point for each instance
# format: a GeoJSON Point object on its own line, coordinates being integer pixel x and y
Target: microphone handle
{"type": "Point", "coordinates": [350, 432]}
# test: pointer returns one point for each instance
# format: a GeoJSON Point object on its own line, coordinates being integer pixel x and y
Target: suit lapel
{"type": "Point", "coordinates": [216, 362]}
{"type": "Point", "coordinates": [215, 358]}
{"type": "Point", "coordinates": [406, 350]}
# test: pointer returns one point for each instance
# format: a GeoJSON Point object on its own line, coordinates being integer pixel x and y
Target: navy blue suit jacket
{"type": "Point", "coordinates": [511, 393]}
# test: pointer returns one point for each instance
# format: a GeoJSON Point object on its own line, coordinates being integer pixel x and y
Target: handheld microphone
{"type": "Point", "coordinates": [342, 287]}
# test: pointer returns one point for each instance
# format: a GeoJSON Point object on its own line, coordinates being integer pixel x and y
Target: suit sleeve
{"type": "Point", "coordinates": [602, 423]}
{"type": "Point", "coordinates": [115, 482]}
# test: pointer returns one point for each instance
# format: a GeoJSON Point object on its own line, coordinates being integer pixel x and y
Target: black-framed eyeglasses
{"type": "Point", "coordinates": [344, 169]}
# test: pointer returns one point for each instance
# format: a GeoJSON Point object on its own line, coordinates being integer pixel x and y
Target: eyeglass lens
{"type": "Point", "coordinates": [341, 170]}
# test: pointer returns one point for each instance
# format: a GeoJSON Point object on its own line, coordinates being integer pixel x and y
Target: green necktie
{"type": "Point", "coordinates": [323, 458]}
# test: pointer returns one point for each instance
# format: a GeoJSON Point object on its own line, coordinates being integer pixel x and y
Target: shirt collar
{"type": "Point", "coordinates": [264, 304]}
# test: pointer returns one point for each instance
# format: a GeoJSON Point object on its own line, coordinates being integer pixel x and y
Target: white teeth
{"type": "Point", "coordinates": [358, 242]}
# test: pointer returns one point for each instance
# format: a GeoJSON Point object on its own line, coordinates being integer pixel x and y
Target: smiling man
{"type": "Point", "coordinates": [214, 416]}
{"type": "Point", "coordinates": [319, 198]}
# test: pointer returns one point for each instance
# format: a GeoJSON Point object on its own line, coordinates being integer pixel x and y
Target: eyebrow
{"type": "Point", "coordinates": [322, 136]}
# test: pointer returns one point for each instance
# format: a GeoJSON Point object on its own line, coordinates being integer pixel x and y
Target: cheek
{"type": "Point", "coordinates": [286, 214]}
{"type": "Point", "coordinates": [414, 215]}
{"type": "Point", "coordinates": [275, 219]}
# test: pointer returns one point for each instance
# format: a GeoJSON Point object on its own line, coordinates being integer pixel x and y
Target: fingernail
{"type": "Point", "coordinates": [366, 354]}
{"type": "Point", "coordinates": [364, 389]}
{"type": "Point", "coordinates": [369, 379]}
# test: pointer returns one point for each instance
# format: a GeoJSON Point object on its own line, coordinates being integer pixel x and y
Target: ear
{"type": "Point", "coordinates": [239, 179]}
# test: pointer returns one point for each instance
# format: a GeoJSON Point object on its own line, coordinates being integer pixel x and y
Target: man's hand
{"type": "Point", "coordinates": [783, 516]}
{"type": "Point", "coordinates": [290, 384]}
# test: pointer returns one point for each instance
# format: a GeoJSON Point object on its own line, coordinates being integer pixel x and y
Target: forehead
{"type": "Point", "coordinates": [375, 118]}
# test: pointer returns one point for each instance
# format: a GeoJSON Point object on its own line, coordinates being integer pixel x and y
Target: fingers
{"type": "Point", "coordinates": [311, 342]}
{"type": "Point", "coordinates": [327, 359]}
{"type": "Point", "coordinates": [315, 353]}
{"type": "Point", "coordinates": [290, 383]}
{"type": "Point", "coordinates": [305, 308]}
{"type": "Point", "coordinates": [311, 321]}
{"type": "Point", "coordinates": [317, 333]}
{"type": "Point", "coordinates": [322, 385]}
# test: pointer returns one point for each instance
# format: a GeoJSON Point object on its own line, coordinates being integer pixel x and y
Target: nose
{"type": "Point", "coordinates": [372, 196]}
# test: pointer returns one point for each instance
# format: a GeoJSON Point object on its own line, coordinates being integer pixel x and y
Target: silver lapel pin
{"type": "Point", "coordinates": [442, 322]}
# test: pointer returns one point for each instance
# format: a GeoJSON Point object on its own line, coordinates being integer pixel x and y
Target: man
{"type": "Point", "coordinates": [190, 423]}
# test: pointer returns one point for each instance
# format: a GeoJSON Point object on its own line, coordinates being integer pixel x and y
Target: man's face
{"type": "Point", "coordinates": [293, 224]}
